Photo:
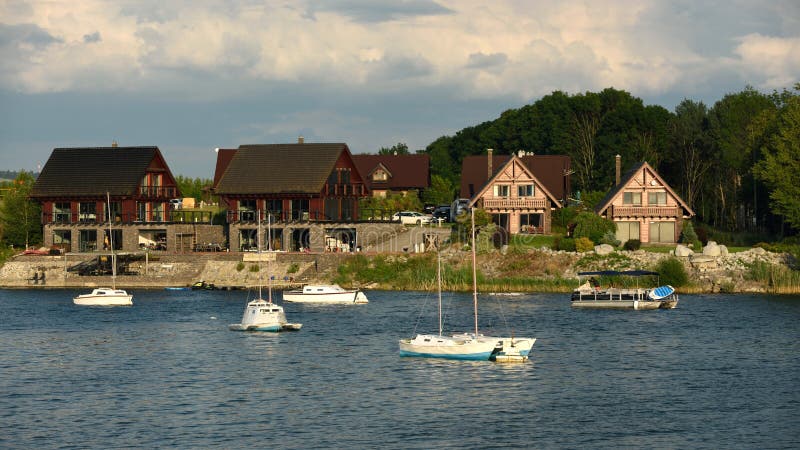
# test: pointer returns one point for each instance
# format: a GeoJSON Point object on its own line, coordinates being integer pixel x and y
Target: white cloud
{"type": "Point", "coordinates": [773, 61]}
{"type": "Point", "coordinates": [518, 49]}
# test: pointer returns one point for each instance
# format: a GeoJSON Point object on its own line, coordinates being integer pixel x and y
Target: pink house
{"type": "Point", "coordinates": [644, 207]}
{"type": "Point", "coordinates": [516, 199]}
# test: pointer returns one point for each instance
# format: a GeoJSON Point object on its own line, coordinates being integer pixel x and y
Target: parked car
{"type": "Point", "coordinates": [412, 218]}
{"type": "Point", "coordinates": [176, 203]}
{"type": "Point", "coordinates": [442, 212]}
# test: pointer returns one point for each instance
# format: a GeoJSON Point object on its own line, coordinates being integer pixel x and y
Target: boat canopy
{"type": "Point", "coordinates": [612, 273]}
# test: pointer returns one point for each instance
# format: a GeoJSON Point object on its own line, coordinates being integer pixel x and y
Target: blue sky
{"type": "Point", "coordinates": [193, 75]}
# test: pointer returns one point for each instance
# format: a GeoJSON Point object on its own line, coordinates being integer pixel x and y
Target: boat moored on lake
{"type": "Point", "coordinates": [591, 294]}
{"type": "Point", "coordinates": [325, 293]}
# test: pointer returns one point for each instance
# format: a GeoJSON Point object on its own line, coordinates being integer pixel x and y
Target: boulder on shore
{"type": "Point", "coordinates": [603, 249]}
{"type": "Point", "coordinates": [683, 251]}
{"type": "Point", "coordinates": [711, 249]}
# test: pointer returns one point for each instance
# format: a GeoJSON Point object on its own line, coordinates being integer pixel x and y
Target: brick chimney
{"type": "Point", "coordinates": [489, 152]}
{"type": "Point", "coordinates": [619, 169]}
{"type": "Point", "coordinates": [300, 139]}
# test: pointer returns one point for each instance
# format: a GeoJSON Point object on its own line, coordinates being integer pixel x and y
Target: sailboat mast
{"type": "Point", "coordinates": [269, 256]}
{"type": "Point", "coordinates": [111, 243]}
{"type": "Point", "coordinates": [439, 279]}
{"type": "Point", "coordinates": [258, 248]}
{"type": "Point", "coordinates": [474, 273]}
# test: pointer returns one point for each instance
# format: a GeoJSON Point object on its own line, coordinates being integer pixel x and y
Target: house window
{"type": "Point", "coordinates": [501, 190]}
{"type": "Point", "coordinates": [158, 212]}
{"type": "Point", "coordinates": [247, 210]}
{"type": "Point", "coordinates": [88, 212]}
{"type": "Point", "coordinates": [657, 198]}
{"type": "Point", "coordinates": [632, 198]}
{"type": "Point", "coordinates": [530, 223]}
{"type": "Point", "coordinates": [526, 190]}
{"type": "Point", "coordinates": [115, 211]}
{"type": "Point", "coordinates": [141, 211]}
{"type": "Point", "coordinates": [380, 175]}
{"type": "Point", "coordinates": [333, 178]}
{"type": "Point", "coordinates": [627, 231]}
{"type": "Point", "coordinates": [62, 212]}
{"type": "Point", "coordinates": [345, 176]}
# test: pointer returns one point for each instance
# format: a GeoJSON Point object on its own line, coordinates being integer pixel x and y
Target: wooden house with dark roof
{"type": "Point", "coordinates": [400, 174]}
{"type": "Point", "coordinates": [76, 183]}
{"type": "Point", "coordinates": [519, 191]}
{"type": "Point", "coordinates": [644, 206]}
{"type": "Point", "coordinates": [298, 184]}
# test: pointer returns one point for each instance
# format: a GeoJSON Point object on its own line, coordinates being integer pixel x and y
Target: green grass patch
{"type": "Point", "coordinates": [525, 242]}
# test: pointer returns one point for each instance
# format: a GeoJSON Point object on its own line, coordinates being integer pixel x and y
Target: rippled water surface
{"type": "Point", "coordinates": [718, 372]}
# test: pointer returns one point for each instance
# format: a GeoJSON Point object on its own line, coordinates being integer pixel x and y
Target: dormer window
{"type": "Point", "coordinates": [380, 175]}
{"type": "Point", "coordinates": [501, 190]}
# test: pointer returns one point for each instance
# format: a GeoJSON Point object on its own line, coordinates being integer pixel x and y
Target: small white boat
{"type": "Point", "coordinates": [107, 296]}
{"type": "Point", "coordinates": [104, 297]}
{"type": "Point", "coordinates": [325, 293]}
{"type": "Point", "coordinates": [260, 315]}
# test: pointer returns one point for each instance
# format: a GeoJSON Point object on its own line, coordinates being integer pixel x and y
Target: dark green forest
{"type": "Point", "coordinates": [730, 161]}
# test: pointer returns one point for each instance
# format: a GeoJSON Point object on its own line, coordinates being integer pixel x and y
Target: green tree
{"type": "Point", "coordinates": [441, 192]}
{"type": "Point", "coordinates": [399, 149]}
{"type": "Point", "coordinates": [730, 122]}
{"type": "Point", "coordinates": [690, 145]}
{"type": "Point", "coordinates": [20, 218]}
{"type": "Point", "coordinates": [592, 226]}
{"type": "Point", "coordinates": [192, 187]}
{"type": "Point", "coordinates": [780, 166]}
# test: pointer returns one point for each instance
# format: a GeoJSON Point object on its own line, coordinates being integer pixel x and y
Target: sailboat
{"type": "Point", "coordinates": [466, 346]}
{"type": "Point", "coordinates": [107, 296]}
{"type": "Point", "coordinates": [260, 314]}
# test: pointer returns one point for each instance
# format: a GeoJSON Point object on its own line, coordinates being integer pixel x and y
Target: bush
{"type": "Point", "coordinates": [583, 244]}
{"type": "Point", "coordinates": [632, 244]}
{"type": "Point", "coordinates": [293, 268]}
{"type": "Point", "coordinates": [688, 236]}
{"type": "Point", "coordinates": [239, 266]}
{"type": "Point", "coordinates": [254, 268]}
{"type": "Point", "coordinates": [610, 238]}
{"type": "Point", "coordinates": [592, 226]}
{"type": "Point", "coordinates": [566, 244]}
{"type": "Point", "coordinates": [672, 272]}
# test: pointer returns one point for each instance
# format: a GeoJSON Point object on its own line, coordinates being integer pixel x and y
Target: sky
{"type": "Point", "coordinates": [190, 76]}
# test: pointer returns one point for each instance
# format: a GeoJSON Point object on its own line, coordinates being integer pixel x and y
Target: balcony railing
{"type": "Point", "coordinates": [295, 215]}
{"type": "Point", "coordinates": [515, 203]}
{"type": "Point", "coordinates": [158, 191]}
{"type": "Point", "coordinates": [344, 190]}
{"type": "Point", "coordinates": [173, 216]}
{"type": "Point", "coordinates": [645, 211]}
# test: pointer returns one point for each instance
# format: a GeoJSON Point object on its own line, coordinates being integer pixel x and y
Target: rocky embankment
{"type": "Point", "coordinates": [713, 269]}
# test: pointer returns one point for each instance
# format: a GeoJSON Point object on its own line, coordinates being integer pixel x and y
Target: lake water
{"type": "Point", "coordinates": [719, 371]}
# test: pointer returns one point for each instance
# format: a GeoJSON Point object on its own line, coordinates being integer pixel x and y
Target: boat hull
{"type": "Point", "coordinates": [264, 316]}
{"type": "Point", "coordinates": [445, 347]}
{"type": "Point", "coordinates": [104, 297]}
{"type": "Point", "coordinates": [618, 304]}
{"type": "Point", "coordinates": [345, 297]}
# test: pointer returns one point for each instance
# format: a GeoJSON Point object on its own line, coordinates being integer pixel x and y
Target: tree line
{"type": "Point", "coordinates": [735, 163]}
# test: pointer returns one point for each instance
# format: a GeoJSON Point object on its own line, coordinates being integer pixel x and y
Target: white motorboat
{"type": "Point", "coordinates": [325, 293]}
{"type": "Point", "coordinates": [260, 314]}
{"type": "Point", "coordinates": [466, 346]}
{"type": "Point", "coordinates": [107, 296]}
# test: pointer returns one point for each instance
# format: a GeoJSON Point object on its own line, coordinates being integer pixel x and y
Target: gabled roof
{"type": "Point", "coordinates": [524, 167]}
{"type": "Point", "coordinates": [406, 171]}
{"type": "Point", "coordinates": [550, 170]}
{"type": "Point", "coordinates": [224, 157]}
{"type": "Point", "coordinates": [280, 168]}
{"type": "Point", "coordinates": [627, 177]}
{"type": "Point", "coordinates": [93, 171]}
